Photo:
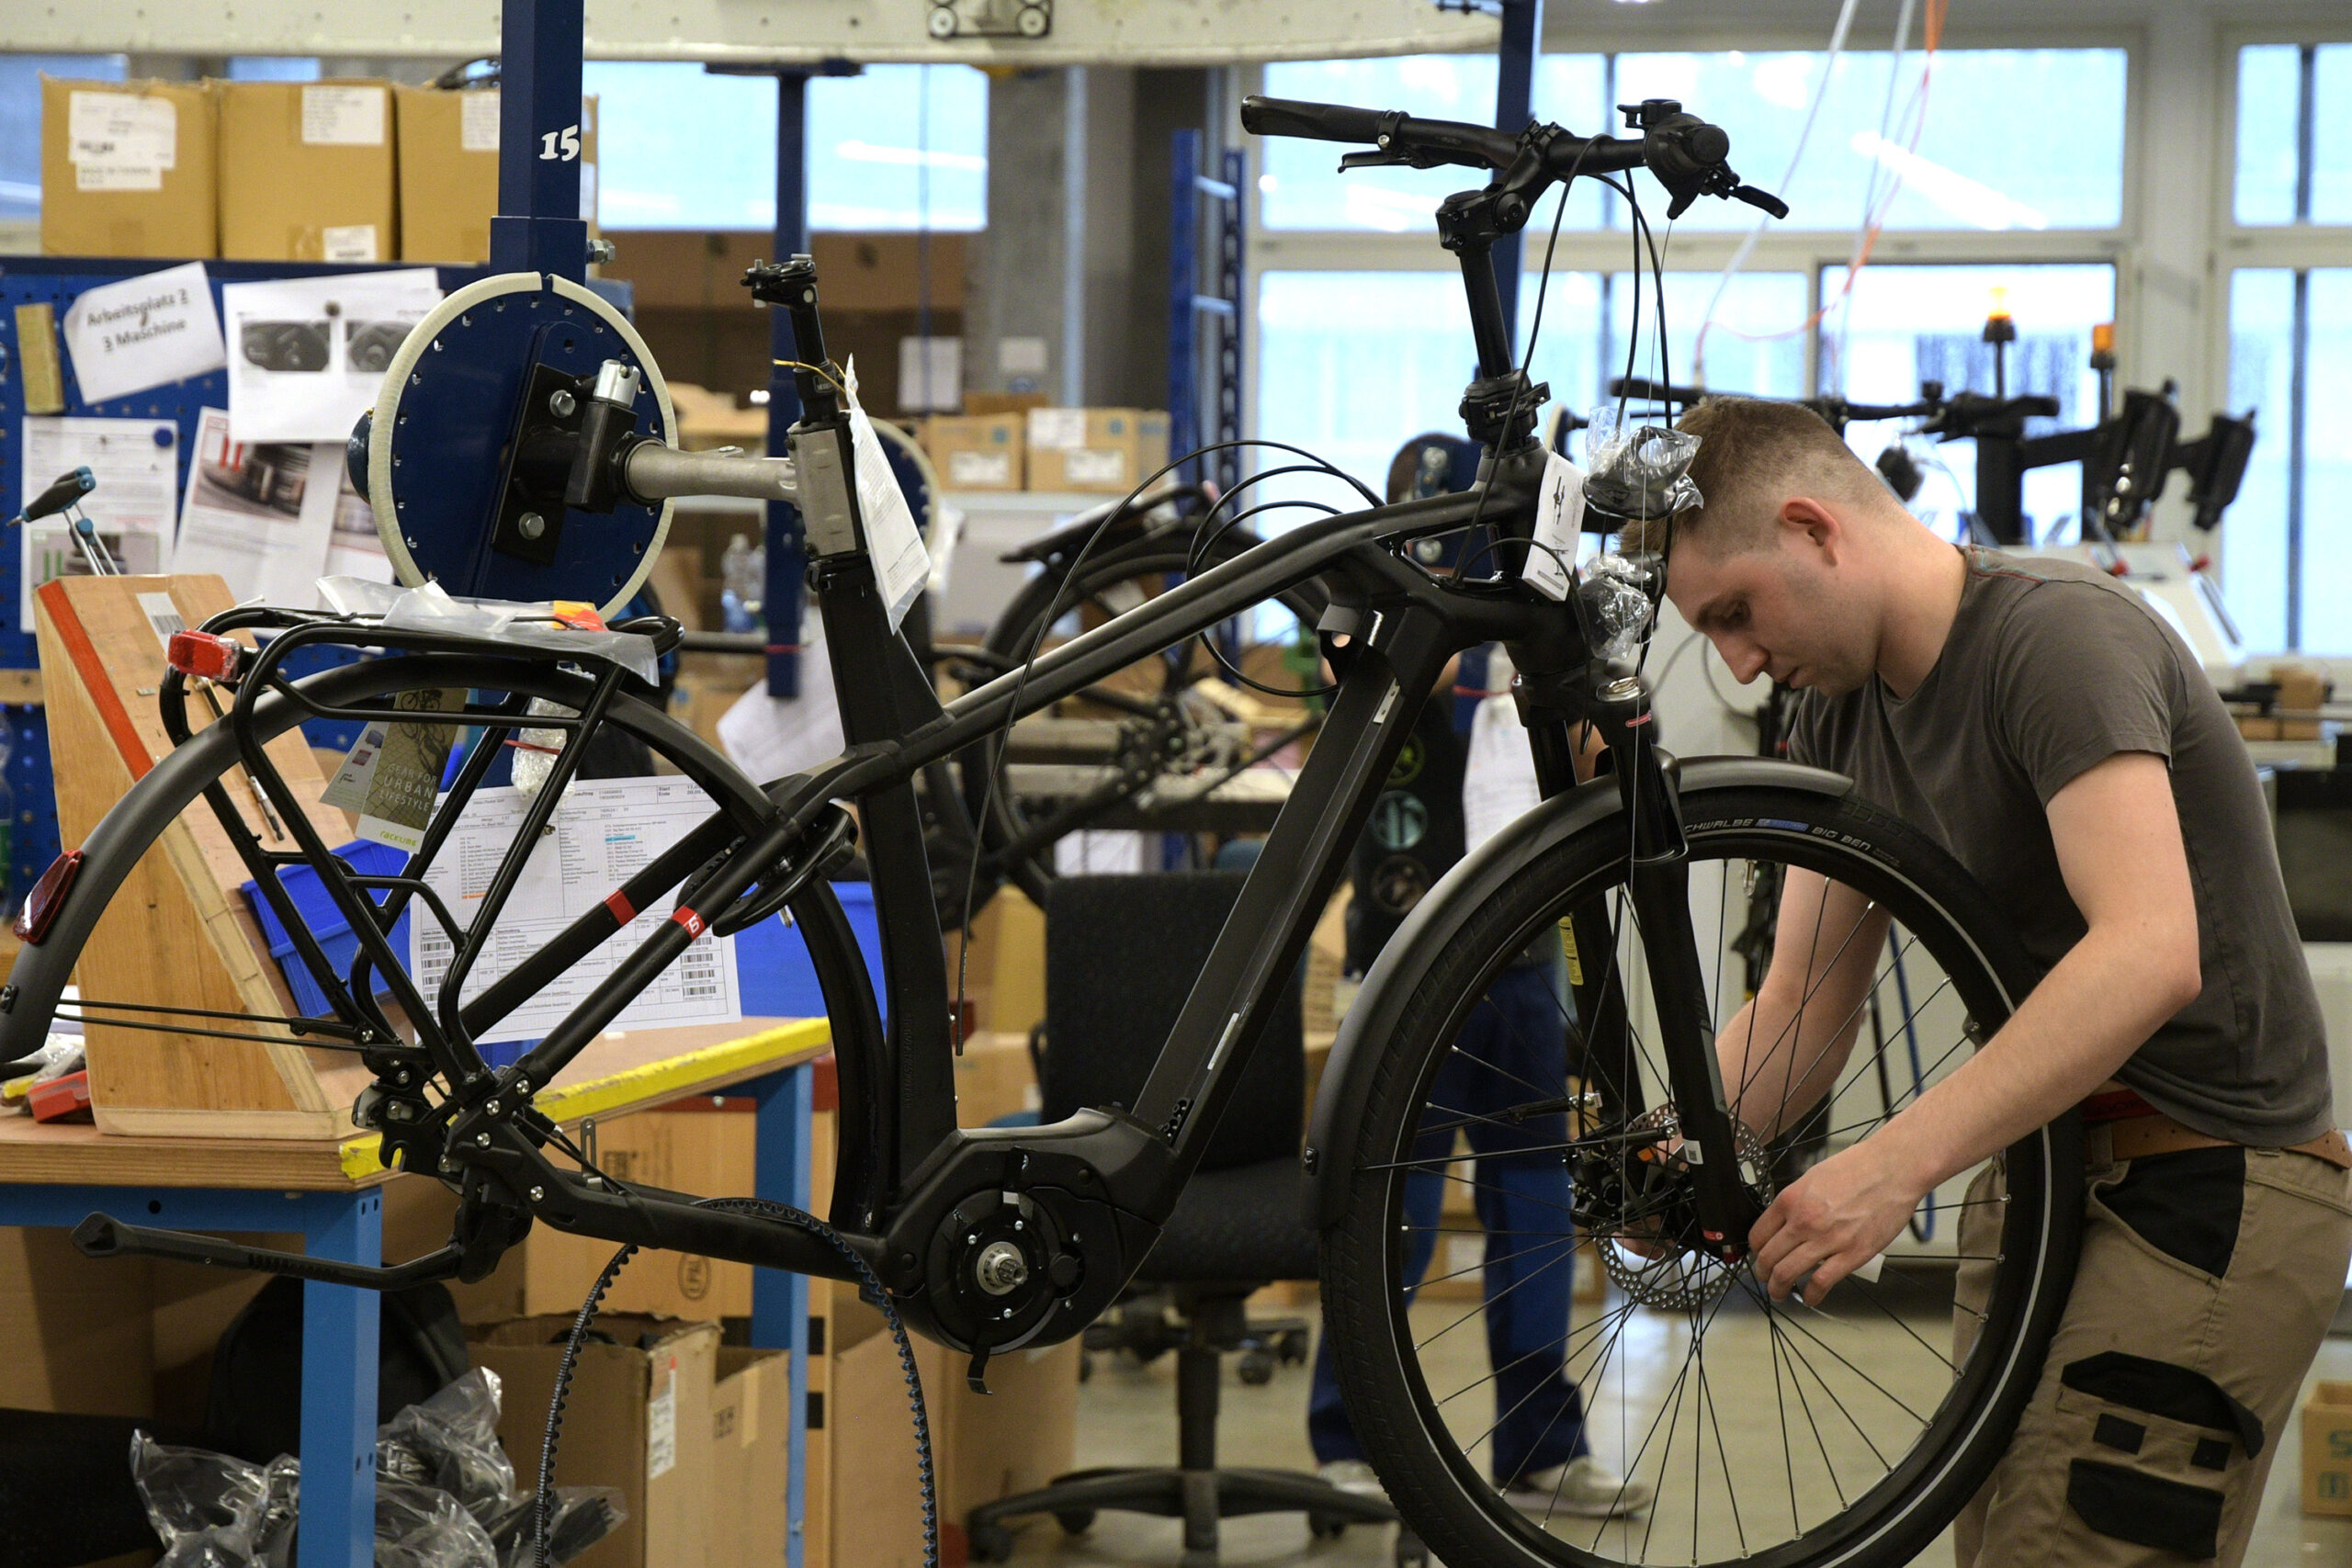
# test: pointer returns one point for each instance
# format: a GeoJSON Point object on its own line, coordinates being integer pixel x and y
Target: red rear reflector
{"type": "Point", "coordinates": [47, 897]}
{"type": "Point", "coordinates": [203, 653]}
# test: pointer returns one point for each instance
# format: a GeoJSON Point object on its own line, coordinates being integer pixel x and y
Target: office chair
{"type": "Point", "coordinates": [1121, 955]}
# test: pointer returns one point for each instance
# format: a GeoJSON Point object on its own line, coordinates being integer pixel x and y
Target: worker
{"type": "Point", "coordinates": [2054, 735]}
{"type": "Point", "coordinates": [1537, 1453]}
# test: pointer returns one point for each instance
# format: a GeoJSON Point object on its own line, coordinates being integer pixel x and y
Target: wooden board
{"type": "Point", "coordinates": [613, 1076]}
{"type": "Point", "coordinates": [178, 933]}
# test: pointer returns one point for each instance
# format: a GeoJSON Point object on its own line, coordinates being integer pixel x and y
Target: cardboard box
{"type": "Point", "coordinates": [448, 173]}
{"type": "Point", "coordinates": [128, 169]}
{"type": "Point", "coordinates": [690, 1147]}
{"type": "Point", "coordinates": [79, 1328]}
{"type": "Point", "coordinates": [636, 1420]}
{"type": "Point", "coordinates": [307, 171]}
{"type": "Point", "coordinates": [751, 1414]}
{"type": "Point", "coordinates": [1018, 1437]}
{"type": "Point", "coordinates": [2328, 1449]}
{"type": "Point", "coordinates": [1101, 450]}
{"type": "Point", "coordinates": [994, 1077]}
{"type": "Point", "coordinates": [977, 451]}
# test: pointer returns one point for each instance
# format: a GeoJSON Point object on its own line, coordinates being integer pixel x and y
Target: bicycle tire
{"type": "Point", "coordinates": [1420, 1459]}
{"type": "Point", "coordinates": [1016, 634]}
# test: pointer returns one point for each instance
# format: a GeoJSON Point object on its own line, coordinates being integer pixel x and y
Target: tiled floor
{"type": "Point", "coordinates": [1126, 1416]}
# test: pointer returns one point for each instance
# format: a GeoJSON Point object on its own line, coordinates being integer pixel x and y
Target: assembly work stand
{"type": "Point", "coordinates": [332, 1192]}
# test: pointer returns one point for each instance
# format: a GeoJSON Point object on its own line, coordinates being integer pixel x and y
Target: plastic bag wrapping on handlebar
{"type": "Point", "coordinates": [446, 1496]}
{"type": "Point", "coordinates": [433, 609]}
{"type": "Point", "coordinates": [1639, 470]}
{"type": "Point", "coordinates": [1616, 601]}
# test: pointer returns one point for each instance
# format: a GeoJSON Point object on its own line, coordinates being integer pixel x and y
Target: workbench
{"type": "Point", "coordinates": [332, 1192]}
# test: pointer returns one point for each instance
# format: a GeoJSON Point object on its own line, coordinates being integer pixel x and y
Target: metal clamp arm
{"type": "Point", "coordinates": [653, 472]}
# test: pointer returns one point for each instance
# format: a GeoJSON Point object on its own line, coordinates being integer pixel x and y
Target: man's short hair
{"type": "Point", "coordinates": [1753, 454]}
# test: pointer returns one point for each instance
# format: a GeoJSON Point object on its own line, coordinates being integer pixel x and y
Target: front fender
{"type": "Point", "coordinates": [1437, 920]}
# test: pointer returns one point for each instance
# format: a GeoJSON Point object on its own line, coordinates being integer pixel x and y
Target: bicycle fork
{"type": "Point", "coordinates": [1659, 889]}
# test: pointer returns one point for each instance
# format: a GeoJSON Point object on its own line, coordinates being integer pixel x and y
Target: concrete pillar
{"type": "Point", "coordinates": [2169, 289]}
{"type": "Point", "coordinates": [1024, 279]}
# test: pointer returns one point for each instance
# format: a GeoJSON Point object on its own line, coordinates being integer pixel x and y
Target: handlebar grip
{"type": "Point", "coordinates": [1319, 122]}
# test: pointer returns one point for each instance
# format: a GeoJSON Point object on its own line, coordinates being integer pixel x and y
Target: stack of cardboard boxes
{"type": "Point", "coordinates": [333, 171]}
{"type": "Point", "coordinates": [1101, 451]}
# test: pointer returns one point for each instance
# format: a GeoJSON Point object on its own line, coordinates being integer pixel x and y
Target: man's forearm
{"type": "Point", "coordinates": [2082, 1022]}
{"type": "Point", "coordinates": [1778, 1060]}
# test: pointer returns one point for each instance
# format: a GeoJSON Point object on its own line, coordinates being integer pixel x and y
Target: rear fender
{"type": "Point", "coordinates": [1437, 920]}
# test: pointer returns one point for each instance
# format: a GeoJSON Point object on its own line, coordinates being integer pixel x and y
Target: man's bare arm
{"type": "Point", "coordinates": [2117, 838]}
{"type": "Point", "coordinates": [1783, 1052]}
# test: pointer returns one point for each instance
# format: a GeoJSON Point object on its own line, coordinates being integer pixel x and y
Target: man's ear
{"type": "Point", "coordinates": [1812, 523]}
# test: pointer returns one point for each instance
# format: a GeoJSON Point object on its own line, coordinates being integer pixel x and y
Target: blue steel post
{"type": "Point", "coordinates": [780, 1300]}
{"type": "Point", "coordinates": [340, 1328]}
{"type": "Point", "coordinates": [786, 544]}
{"type": "Point", "coordinates": [1523, 40]}
{"type": "Point", "coordinates": [538, 227]}
{"type": "Point", "coordinates": [1183, 287]}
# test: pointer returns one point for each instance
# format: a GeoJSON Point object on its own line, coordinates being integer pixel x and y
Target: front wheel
{"type": "Point", "coordinates": [1524, 1068]}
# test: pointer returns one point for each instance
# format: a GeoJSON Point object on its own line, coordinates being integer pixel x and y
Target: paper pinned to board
{"type": "Point", "coordinates": [773, 738]}
{"type": "Point", "coordinates": [144, 332]}
{"type": "Point", "coordinates": [260, 514]}
{"type": "Point", "coordinates": [307, 354]}
{"type": "Point", "coordinates": [893, 542]}
{"type": "Point", "coordinates": [605, 831]}
{"type": "Point", "coordinates": [136, 463]}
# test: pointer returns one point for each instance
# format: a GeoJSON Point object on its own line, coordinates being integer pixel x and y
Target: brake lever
{"type": "Point", "coordinates": [1762, 199]}
{"type": "Point", "coordinates": [1387, 160]}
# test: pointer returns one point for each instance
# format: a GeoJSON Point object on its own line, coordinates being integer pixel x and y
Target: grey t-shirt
{"type": "Point", "coordinates": [2049, 668]}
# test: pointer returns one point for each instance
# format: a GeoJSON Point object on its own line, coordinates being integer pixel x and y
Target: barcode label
{"type": "Point", "coordinates": [162, 614]}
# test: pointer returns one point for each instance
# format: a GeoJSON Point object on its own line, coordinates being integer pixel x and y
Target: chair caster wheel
{"type": "Point", "coordinates": [1410, 1553]}
{"type": "Point", "coordinates": [1257, 1368]}
{"type": "Point", "coordinates": [991, 1543]}
{"type": "Point", "coordinates": [1292, 1348]}
{"type": "Point", "coordinates": [1076, 1521]}
{"type": "Point", "coordinates": [1326, 1527]}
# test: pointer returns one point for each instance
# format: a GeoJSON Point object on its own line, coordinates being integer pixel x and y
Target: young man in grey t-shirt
{"type": "Point", "coordinates": [2041, 724]}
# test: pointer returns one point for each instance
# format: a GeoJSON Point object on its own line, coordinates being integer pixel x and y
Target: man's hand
{"type": "Point", "coordinates": [1831, 1221]}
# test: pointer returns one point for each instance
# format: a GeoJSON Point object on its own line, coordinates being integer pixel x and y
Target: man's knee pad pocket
{"type": "Point", "coordinates": [2146, 1510]}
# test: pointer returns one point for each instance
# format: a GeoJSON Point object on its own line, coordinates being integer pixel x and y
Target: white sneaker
{"type": "Point", "coordinates": [1583, 1487]}
{"type": "Point", "coordinates": [1352, 1475]}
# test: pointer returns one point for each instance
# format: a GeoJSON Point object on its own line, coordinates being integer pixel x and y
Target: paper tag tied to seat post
{"type": "Point", "coordinates": [394, 772]}
{"type": "Point", "coordinates": [1559, 521]}
{"type": "Point", "coordinates": [893, 542]}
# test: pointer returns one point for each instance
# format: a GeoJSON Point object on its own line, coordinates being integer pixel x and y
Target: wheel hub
{"type": "Point", "coordinates": [1661, 1195]}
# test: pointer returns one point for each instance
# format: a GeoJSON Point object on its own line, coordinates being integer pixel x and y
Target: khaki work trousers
{"type": "Point", "coordinates": [2208, 1279]}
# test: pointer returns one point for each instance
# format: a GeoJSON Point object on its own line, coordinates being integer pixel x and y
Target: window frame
{"type": "Point", "coordinates": [2262, 247]}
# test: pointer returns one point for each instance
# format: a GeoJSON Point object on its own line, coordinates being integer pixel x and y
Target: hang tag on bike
{"type": "Point", "coordinates": [893, 543]}
{"type": "Point", "coordinates": [393, 770]}
{"type": "Point", "coordinates": [1559, 522]}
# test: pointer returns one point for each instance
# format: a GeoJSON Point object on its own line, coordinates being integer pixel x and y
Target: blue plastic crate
{"type": "Point", "coordinates": [326, 922]}
{"type": "Point", "coordinates": [779, 981]}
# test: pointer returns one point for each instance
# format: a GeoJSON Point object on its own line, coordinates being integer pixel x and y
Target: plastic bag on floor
{"type": "Point", "coordinates": [450, 1441]}
{"type": "Point", "coordinates": [424, 1527]}
{"type": "Point", "coordinates": [212, 1511]}
{"type": "Point", "coordinates": [583, 1515]}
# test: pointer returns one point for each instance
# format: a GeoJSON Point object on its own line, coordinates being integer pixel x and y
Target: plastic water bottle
{"type": "Point", "coordinates": [742, 575]}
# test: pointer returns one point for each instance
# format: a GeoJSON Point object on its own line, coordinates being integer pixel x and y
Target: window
{"type": "Point", "coordinates": [20, 111]}
{"type": "Point", "coordinates": [1904, 325]}
{"type": "Point", "coordinates": [2060, 167]}
{"type": "Point", "coordinates": [2286, 547]}
{"type": "Point", "coordinates": [682, 147]}
{"type": "Point", "coordinates": [2294, 141]}
{"type": "Point", "coordinates": [1300, 187]}
{"type": "Point", "coordinates": [272, 68]}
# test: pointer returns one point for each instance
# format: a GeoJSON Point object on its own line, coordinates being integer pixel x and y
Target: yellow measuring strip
{"type": "Point", "coordinates": [651, 1085]}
